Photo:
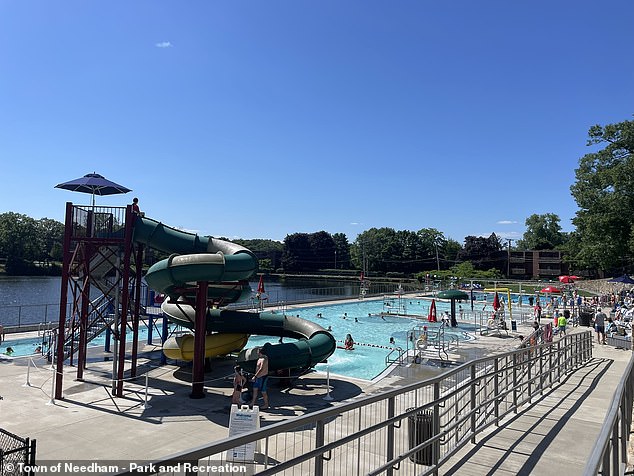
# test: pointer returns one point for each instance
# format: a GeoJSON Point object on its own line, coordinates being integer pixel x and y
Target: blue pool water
{"type": "Point", "coordinates": [362, 320]}
{"type": "Point", "coordinates": [370, 332]}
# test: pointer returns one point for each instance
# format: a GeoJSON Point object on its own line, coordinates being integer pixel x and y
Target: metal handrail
{"type": "Point", "coordinates": [457, 405]}
{"type": "Point", "coordinates": [610, 449]}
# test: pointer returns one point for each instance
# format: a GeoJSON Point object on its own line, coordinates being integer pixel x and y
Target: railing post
{"type": "Point", "coordinates": [473, 403]}
{"type": "Point", "coordinates": [515, 383]}
{"type": "Point", "coordinates": [541, 370]}
{"type": "Point", "coordinates": [529, 374]}
{"type": "Point", "coordinates": [615, 443]}
{"type": "Point", "coordinates": [435, 454]}
{"type": "Point", "coordinates": [558, 361]}
{"type": "Point", "coordinates": [319, 442]}
{"type": "Point", "coordinates": [390, 433]}
{"type": "Point", "coordinates": [496, 390]}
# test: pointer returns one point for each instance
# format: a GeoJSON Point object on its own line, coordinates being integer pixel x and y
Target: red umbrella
{"type": "Point", "coordinates": [568, 279]}
{"type": "Point", "coordinates": [261, 285]}
{"type": "Point", "coordinates": [431, 317]}
{"type": "Point", "coordinates": [550, 289]}
{"type": "Point", "coordinates": [496, 301]}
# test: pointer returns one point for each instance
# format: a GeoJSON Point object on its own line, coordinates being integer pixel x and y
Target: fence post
{"type": "Point", "coordinates": [328, 397]}
{"type": "Point", "coordinates": [436, 428]}
{"type": "Point", "coordinates": [319, 442]}
{"type": "Point", "coordinates": [515, 383]}
{"type": "Point", "coordinates": [496, 390]}
{"type": "Point", "coordinates": [541, 370]}
{"type": "Point", "coordinates": [558, 361]}
{"type": "Point", "coordinates": [473, 403]}
{"type": "Point", "coordinates": [146, 405]}
{"type": "Point", "coordinates": [28, 373]}
{"type": "Point", "coordinates": [52, 400]}
{"type": "Point", "coordinates": [390, 434]}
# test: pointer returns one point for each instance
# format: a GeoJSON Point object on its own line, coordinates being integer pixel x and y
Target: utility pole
{"type": "Point", "coordinates": [508, 261]}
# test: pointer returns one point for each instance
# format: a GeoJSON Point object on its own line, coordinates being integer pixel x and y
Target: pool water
{"type": "Point", "coordinates": [370, 331]}
{"type": "Point", "coordinates": [371, 323]}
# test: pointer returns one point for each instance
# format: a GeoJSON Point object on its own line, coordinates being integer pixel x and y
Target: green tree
{"type": "Point", "coordinates": [543, 232]}
{"type": "Point", "coordinates": [297, 252]}
{"type": "Point", "coordinates": [484, 253]}
{"type": "Point", "coordinates": [19, 237]}
{"type": "Point", "coordinates": [322, 247]}
{"type": "Point", "coordinates": [604, 192]}
{"type": "Point", "coordinates": [50, 239]}
{"type": "Point", "coordinates": [342, 248]}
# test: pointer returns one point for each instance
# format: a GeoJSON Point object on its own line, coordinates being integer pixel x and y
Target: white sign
{"type": "Point", "coordinates": [243, 420]}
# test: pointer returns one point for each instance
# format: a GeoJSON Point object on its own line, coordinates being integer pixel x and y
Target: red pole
{"type": "Point", "coordinates": [200, 332]}
{"type": "Point", "coordinates": [125, 295]}
{"type": "Point", "coordinates": [68, 233]}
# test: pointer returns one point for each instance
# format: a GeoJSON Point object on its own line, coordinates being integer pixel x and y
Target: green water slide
{"type": "Point", "coordinates": [226, 267]}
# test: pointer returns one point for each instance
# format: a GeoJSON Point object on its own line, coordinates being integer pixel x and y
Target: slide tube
{"type": "Point", "coordinates": [313, 345]}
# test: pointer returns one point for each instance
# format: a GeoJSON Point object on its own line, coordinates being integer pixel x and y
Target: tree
{"type": "Point", "coordinates": [342, 250]}
{"type": "Point", "coordinates": [484, 253]}
{"type": "Point", "coordinates": [543, 232]}
{"type": "Point", "coordinates": [308, 251]}
{"type": "Point", "coordinates": [50, 238]}
{"type": "Point", "coordinates": [18, 237]}
{"type": "Point", "coordinates": [604, 192]}
{"type": "Point", "coordinates": [323, 249]}
{"type": "Point", "coordinates": [297, 252]}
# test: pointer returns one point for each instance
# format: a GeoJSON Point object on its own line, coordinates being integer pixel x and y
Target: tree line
{"type": "Point", "coordinates": [602, 242]}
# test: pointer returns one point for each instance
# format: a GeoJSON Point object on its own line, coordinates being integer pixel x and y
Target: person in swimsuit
{"type": "Point", "coordinates": [239, 381]}
{"type": "Point", "coordinates": [260, 378]}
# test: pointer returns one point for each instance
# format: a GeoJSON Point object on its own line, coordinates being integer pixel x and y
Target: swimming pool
{"type": "Point", "coordinates": [370, 331]}
{"type": "Point", "coordinates": [370, 322]}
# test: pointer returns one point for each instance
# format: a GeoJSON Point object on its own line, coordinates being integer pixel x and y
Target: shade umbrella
{"type": "Point", "coordinates": [625, 279]}
{"type": "Point", "coordinates": [453, 294]}
{"type": "Point", "coordinates": [431, 317]}
{"type": "Point", "coordinates": [496, 301]}
{"type": "Point", "coordinates": [551, 289]}
{"type": "Point", "coordinates": [93, 184]}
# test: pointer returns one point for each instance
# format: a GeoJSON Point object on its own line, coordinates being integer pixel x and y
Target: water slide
{"type": "Point", "coordinates": [227, 267]}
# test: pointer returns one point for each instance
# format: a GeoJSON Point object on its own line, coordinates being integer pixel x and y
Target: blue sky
{"type": "Point", "coordinates": [257, 119]}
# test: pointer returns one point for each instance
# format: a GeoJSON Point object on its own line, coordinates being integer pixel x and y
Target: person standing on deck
{"type": "Point", "coordinates": [599, 325]}
{"type": "Point", "coordinates": [260, 379]}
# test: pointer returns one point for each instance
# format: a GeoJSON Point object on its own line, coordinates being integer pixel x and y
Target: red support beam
{"type": "Point", "coordinates": [200, 332]}
{"type": "Point", "coordinates": [68, 233]}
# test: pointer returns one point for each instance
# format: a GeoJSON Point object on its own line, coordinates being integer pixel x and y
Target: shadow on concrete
{"type": "Point", "coordinates": [169, 391]}
{"type": "Point", "coordinates": [591, 374]}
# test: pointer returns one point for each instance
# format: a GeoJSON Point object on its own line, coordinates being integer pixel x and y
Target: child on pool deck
{"type": "Point", "coordinates": [239, 382]}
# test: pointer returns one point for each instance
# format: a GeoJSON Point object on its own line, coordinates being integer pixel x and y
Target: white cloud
{"type": "Point", "coordinates": [507, 222]}
{"type": "Point", "coordinates": [505, 235]}
{"type": "Point", "coordinates": [354, 223]}
{"type": "Point", "coordinates": [163, 44]}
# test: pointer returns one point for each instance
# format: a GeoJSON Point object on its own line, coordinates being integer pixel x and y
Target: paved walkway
{"type": "Point", "coordinates": [555, 434]}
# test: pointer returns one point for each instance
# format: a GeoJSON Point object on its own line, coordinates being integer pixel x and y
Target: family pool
{"type": "Point", "coordinates": [370, 322]}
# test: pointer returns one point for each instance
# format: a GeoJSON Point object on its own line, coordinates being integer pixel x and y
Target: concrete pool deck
{"type": "Point", "coordinates": [89, 424]}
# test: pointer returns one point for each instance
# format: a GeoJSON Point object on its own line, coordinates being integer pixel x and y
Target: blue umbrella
{"type": "Point", "coordinates": [94, 184]}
